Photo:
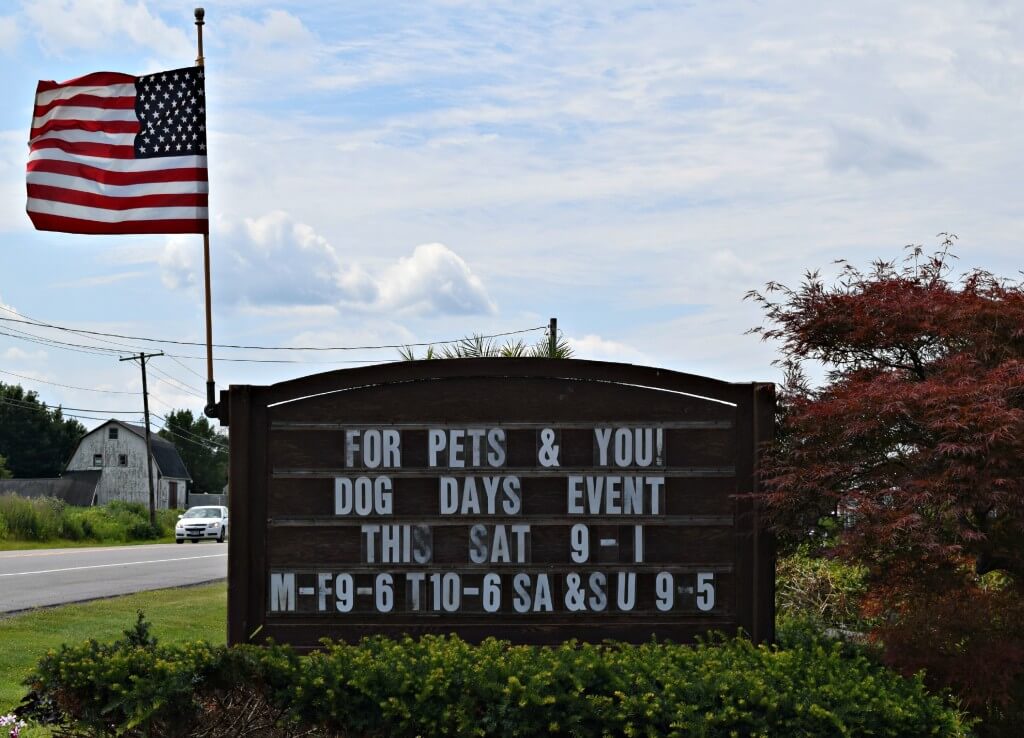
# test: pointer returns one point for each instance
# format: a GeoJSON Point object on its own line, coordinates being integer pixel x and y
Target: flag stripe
{"type": "Point", "coordinates": [104, 151]}
{"type": "Point", "coordinates": [110, 126]}
{"type": "Point", "coordinates": [75, 197]}
{"type": "Point", "coordinates": [95, 79]}
{"type": "Point", "coordinates": [105, 176]}
{"type": "Point", "coordinates": [65, 92]}
{"type": "Point", "coordinates": [103, 215]}
{"type": "Point", "coordinates": [75, 112]}
{"type": "Point", "coordinates": [88, 101]}
{"type": "Point", "coordinates": [120, 165]}
{"type": "Point", "coordinates": [92, 186]}
{"type": "Point", "coordinates": [79, 136]}
{"type": "Point", "coordinates": [46, 222]}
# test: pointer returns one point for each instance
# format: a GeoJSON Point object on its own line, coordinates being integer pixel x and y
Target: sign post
{"type": "Point", "coordinates": [536, 500]}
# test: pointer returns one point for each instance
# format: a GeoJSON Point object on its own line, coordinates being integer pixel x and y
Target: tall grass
{"type": "Point", "coordinates": [50, 519]}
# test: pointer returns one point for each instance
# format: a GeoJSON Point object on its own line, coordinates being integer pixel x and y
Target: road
{"type": "Point", "coordinates": [56, 576]}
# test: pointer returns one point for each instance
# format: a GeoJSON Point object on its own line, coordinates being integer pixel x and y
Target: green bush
{"type": "Point", "coordinates": [35, 519]}
{"type": "Point", "coordinates": [824, 590]}
{"type": "Point", "coordinates": [49, 519]}
{"type": "Point", "coordinates": [444, 686]}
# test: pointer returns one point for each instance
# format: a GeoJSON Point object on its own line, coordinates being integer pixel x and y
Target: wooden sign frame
{"type": "Point", "coordinates": [287, 444]}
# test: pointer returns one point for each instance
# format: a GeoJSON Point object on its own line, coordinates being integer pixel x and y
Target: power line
{"type": "Point", "coordinates": [68, 386]}
{"type": "Point", "coordinates": [182, 385]}
{"type": "Point", "coordinates": [42, 324]}
{"type": "Point", "coordinates": [76, 409]}
{"type": "Point", "coordinates": [102, 351]}
{"type": "Point", "coordinates": [7, 401]}
{"type": "Point", "coordinates": [53, 343]}
{"type": "Point", "coordinates": [204, 444]}
{"type": "Point", "coordinates": [199, 439]}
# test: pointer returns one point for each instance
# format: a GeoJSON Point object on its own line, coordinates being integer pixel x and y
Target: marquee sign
{"type": "Point", "coordinates": [536, 500]}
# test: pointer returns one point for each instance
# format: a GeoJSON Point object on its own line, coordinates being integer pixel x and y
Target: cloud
{"type": "Point", "coordinates": [872, 154]}
{"type": "Point", "coordinates": [67, 26]}
{"type": "Point", "coordinates": [16, 354]}
{"type": "Point", "coordinates": [9, 33]}
{"type": "Point", "coordinates": [434, 279]}
{"type": "Point", "coordinates": [100, 280]}
{"type": "Point", "coordinates": [275, 263]}
{"type": "Point", "coordinates": [596, 348]}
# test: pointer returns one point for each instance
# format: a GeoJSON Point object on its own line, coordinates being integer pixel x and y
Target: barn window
{"type": "Point", "coordinates": [97, 459]}
{"type": "Point", "coordinates": [122, 459]}
{"type": "Point", "coordinates": [112, 434]}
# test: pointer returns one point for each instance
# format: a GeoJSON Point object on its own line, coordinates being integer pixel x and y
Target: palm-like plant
{"type": "Point", "coordinates": [480, 346]}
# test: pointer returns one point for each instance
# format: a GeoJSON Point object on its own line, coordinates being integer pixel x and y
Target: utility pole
{"type": "Point", "coordinates": [149, 440]}
{"type": "Point", "coordinates": [553, 338]}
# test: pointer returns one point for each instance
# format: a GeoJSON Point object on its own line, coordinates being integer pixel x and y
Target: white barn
{"type": "Point", "coordinates": [118, 451]}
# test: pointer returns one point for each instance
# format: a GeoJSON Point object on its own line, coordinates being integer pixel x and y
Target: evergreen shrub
{"type": "Point", "coordinates": [445, 686]}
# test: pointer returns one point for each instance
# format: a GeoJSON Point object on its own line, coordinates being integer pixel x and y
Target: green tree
{"type": "Point", "coordinates": [4, 471]}
{"type": "Point", "coordinates": [36, 440]}
{"type": "Point", "coordinates": [203, 449]}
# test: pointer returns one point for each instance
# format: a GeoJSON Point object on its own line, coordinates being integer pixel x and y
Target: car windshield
{"type": "Point", "coordinates": [203, 512]}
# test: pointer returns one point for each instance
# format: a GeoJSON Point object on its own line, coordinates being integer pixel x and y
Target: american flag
{"type": "Point", "coordinates": [113, 153]}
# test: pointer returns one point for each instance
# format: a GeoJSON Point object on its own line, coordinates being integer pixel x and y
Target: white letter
{"type": "Point", "coordinates": [496, 441]}
{"type": "Point", "coordinates": [623, 447]}
{"type": "Point", "coordinates": [351, 446]}
{"type": "Point", "coordinates": [392, 449]}
{"type": "Point", "coordinates": [449, 495]}
{"type": "Point", "coordinates": [602, 436]}
{"type": "Point", "coordinates": [282, 592]}
{"type": "Point", "coordinates": [343, 496]}
{"type": "Point", "coordinates": [626, 591]}
{"type": "Point", "coordinates": [575, 504]}
{"type": "Point", "coordinates": [382, 495]}
{"type": "Point", "coordinates": [456, 447]}
{"type": "Point", "coordinates": [513, 502]}
{"type": "Point", "coordinates": [476, 435]}
{"type": "Point", "coordinates": [370, 533]}
{"type": "Point", "coordinates": [521, 585]}
{"type": "Point", "coordinates": [520, 532]}
{"type": "Point", "coordinates": [436, 442]}
{"type": "Point", "coordinates": [322, 590]}
{"type": "Point", "coordinates": [478, 544]}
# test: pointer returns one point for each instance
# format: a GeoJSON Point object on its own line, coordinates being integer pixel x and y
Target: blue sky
{"type": "Point", "coordinates": [396, 172]}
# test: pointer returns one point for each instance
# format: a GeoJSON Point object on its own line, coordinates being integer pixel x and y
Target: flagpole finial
{"type": "Point", "coordinates": [200, 14]}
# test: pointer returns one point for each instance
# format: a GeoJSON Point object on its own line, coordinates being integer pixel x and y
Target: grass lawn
{"type": "Point", "coordinates": [182, 614]}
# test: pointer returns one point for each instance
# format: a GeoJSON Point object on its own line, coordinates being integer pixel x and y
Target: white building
{"type": "Point", "coordinates": [118, 451]}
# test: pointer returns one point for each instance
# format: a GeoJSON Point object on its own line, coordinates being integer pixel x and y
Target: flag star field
{"type": "Point", "coordinates": [172, 112]}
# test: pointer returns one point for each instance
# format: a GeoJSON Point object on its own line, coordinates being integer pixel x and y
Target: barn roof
{"type": "Point", "coordinates": [75, 487]}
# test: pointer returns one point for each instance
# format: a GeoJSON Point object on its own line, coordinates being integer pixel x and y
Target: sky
{"type": "Point", "coordinates": [405, 172]}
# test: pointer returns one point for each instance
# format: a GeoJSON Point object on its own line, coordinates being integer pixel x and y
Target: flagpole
{"type": "Point", "coordinates": [211, 392]}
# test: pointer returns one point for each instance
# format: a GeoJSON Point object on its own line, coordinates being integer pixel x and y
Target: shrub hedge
{"type": "Point", "coordinates": [823, 589]}
{"type": "Point", "coordinates": [50, 519]}
{"type": "Point", "coordinates": [445, 686]}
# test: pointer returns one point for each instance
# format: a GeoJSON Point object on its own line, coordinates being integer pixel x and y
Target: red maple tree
{"type": "Point", "coordinates": [914, 446]}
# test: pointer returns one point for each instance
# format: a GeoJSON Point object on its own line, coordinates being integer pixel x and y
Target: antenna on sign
{"type": "Point", "coordinates": [211, 409]}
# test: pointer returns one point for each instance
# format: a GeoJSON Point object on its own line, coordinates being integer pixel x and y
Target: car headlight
{"type": "Point", "coordinates": [214, 525]}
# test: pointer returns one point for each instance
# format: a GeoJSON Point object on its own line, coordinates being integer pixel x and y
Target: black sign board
{"type": "Point", "coordinates": [536, 500]}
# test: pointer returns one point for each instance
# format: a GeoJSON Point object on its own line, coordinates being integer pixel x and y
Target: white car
{"type": "Point", "coordinates": [199, 523]}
